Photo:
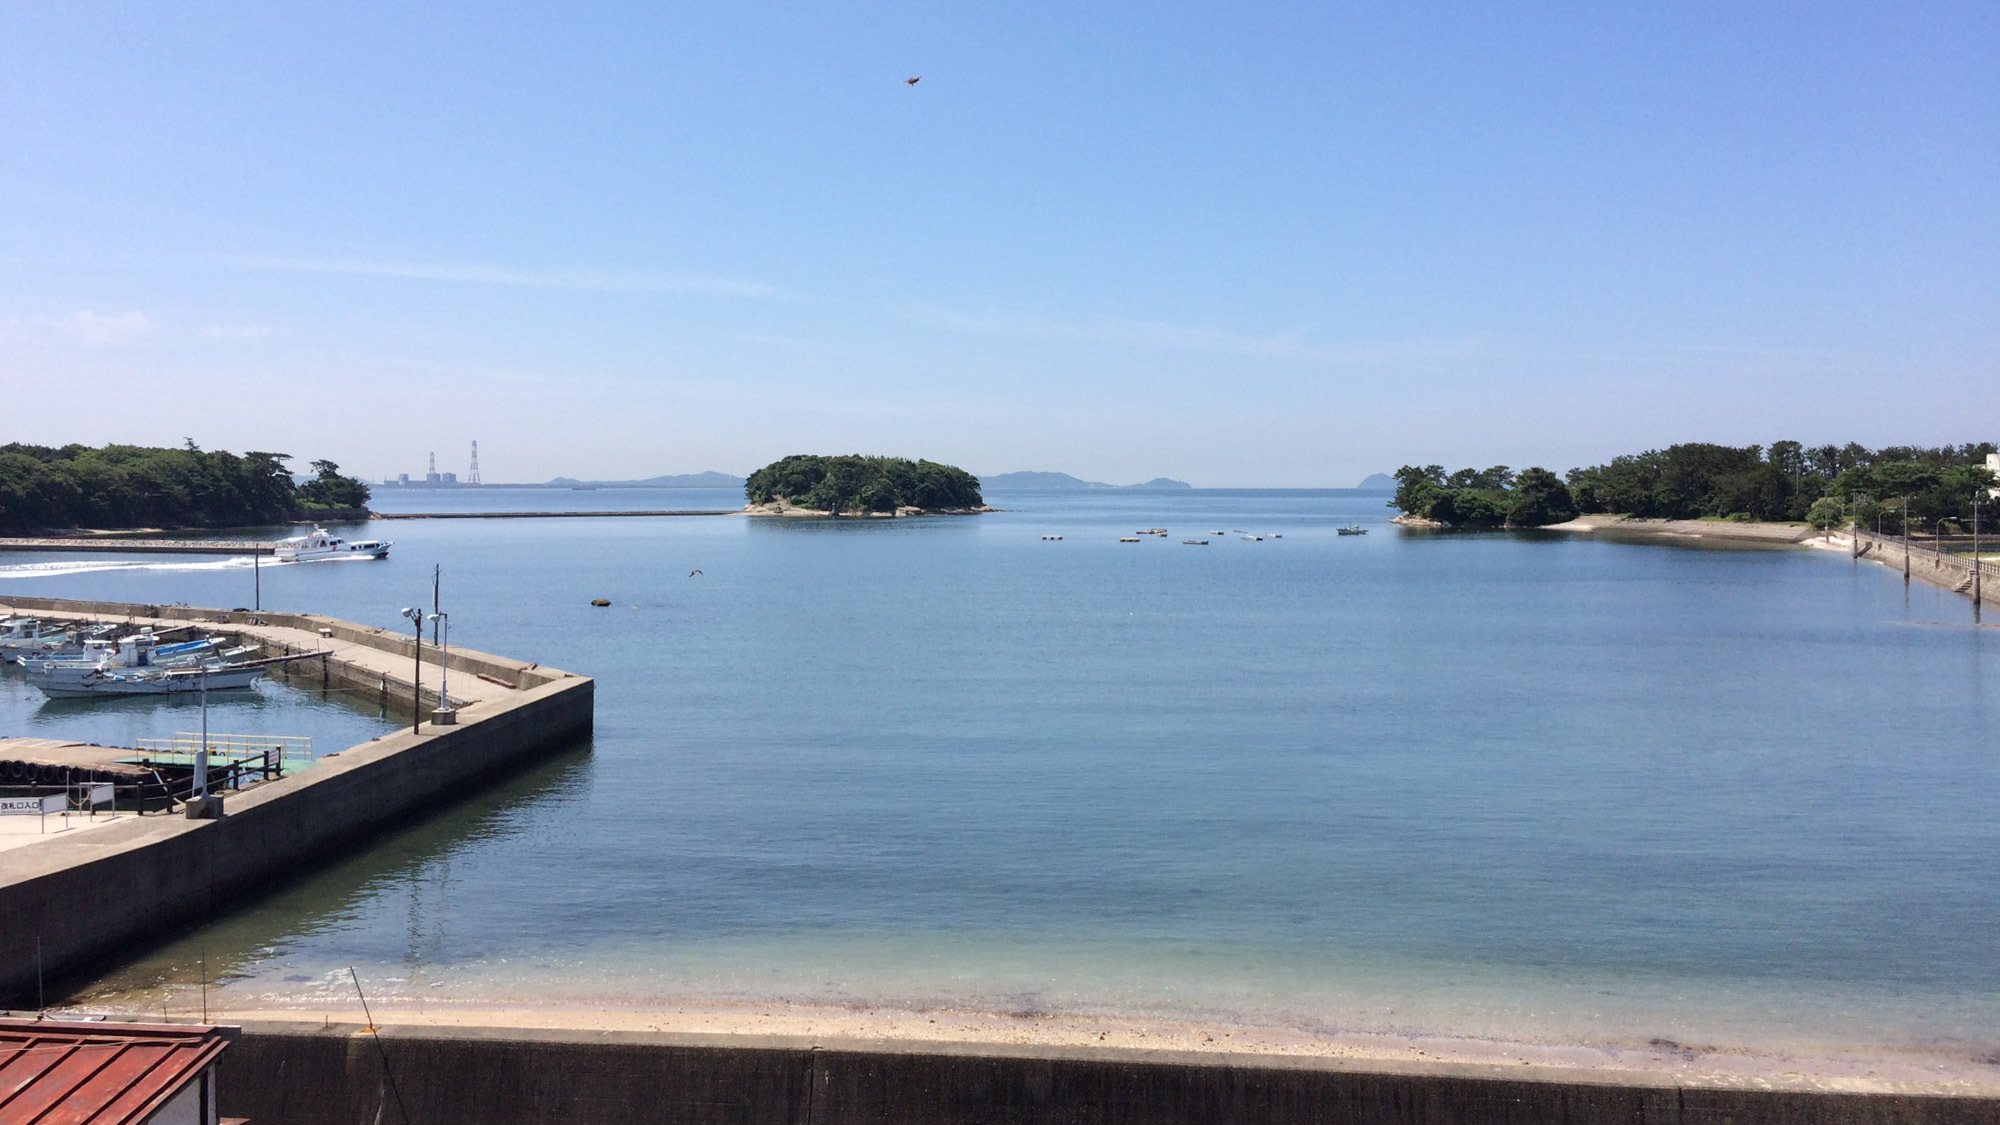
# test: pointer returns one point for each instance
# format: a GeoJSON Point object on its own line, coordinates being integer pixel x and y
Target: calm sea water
{"type": "Point", "coordinates": [1530, 786]}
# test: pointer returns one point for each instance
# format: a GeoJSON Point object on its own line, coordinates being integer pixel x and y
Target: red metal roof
{"type": "Point", "coordinates": [56, 1073]}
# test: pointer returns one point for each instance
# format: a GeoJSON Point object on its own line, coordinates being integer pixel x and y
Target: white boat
{"type": "Point", "coordinates": [58, 681]}
{"type": "Point", "coordinates": [1351, 529]}
{"type": "Point", "coordinates": [26, 640]}
{"type": "Point", "coordinates": [139, 665]}
{"type": "Point", "coordinates": [320, 546]}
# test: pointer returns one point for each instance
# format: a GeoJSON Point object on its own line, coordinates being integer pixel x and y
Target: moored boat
{"type": "Point", "coordinates": [58, 681]}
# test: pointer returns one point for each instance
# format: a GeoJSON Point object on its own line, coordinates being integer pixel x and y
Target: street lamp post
{"type": "Point", "coordinates": [445, 715]}
{"type": "Point", "coordinates": [416, 617]}
{"type": "Point", "coordinates": [1975, 556]}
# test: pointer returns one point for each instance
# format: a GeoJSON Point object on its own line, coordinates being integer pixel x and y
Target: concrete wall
{"type": "Point", "coordinates": [1952, 572]}
{"type": "Point", "coordinates": [279, 1074]}
{"type": "Point", "coordinates": [99, 895]}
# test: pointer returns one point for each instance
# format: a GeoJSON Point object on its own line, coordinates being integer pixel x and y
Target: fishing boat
{"type": "Point", "coordinates": [26, 639]}
{"type": "Point", "coordinates": [1194, 542]}
{"type": "Point", "coordinates": [140, 665]}
{"type": "Point", "coordinates": [1352, 529]}
{"type": "Point", "coordinates": [1252, 538]}
{"type": "Point", "coordinates": [58, 681]}
{"type": "Point", "coordinates": [320, 546]}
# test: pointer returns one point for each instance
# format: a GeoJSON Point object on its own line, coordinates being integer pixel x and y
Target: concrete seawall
{"type": "Point", "coordinates": [95, 897]}
{"type": "Point", "coordinates": [283, 1074]}
{"type": "Point", "coordinates": [1952, 572]}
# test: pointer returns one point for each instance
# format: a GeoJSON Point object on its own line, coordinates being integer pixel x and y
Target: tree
{"type": "Point", "coordinates": [1539, 498]}
{"type": "Point", "coordinates": [328, 489]}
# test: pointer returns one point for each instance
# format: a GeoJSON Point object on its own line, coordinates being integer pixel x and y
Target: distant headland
{"type": "Point", "coordinates": [683, 480]}
{"type": "Point", "coordinates": [1893, 488]}
{"type": "Point", "coordinates": [855, 485]}
{"type": "Point", "coordinates": [1063, 482]}
{"type": "Point", "coordinates": [120, 487]}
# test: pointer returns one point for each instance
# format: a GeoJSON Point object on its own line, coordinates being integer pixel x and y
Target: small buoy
{"type": "Point", "coordinates": [600, 602]}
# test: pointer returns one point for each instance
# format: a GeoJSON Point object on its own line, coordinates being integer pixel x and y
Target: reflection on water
{"type": "Point", "coordinates": [400, 889]}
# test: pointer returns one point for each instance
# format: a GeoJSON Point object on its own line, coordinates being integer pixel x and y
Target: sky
{"type": "Point", "coordinates": [1236, 244]}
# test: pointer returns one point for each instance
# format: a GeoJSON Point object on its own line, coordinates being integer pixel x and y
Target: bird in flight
{"type": "Point", "coordinates": [913, 81]}
{"type": "Point", "coordinates": [692, 573]}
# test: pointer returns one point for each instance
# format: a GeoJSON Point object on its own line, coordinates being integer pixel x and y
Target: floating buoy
{"type": "Point", "coordinates": [600, 602]}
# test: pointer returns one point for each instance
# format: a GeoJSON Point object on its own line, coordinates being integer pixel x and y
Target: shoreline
{"type": "Point", "coordinates": [1656, 1062]}
{"type": "Point", "coordinates": [1743, 531]}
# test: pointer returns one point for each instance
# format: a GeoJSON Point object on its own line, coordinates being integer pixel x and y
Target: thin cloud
{"type": "Point", "coordinates": [233, 331]}
{"type": "Point", "coordinates": [1293, 347]}
{"type": "Point", "coordinates": [105, 329]}
{"type": "Point", "coordinates": [588, 280]}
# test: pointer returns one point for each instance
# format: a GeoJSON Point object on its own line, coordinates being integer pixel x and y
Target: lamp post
{"type": "Point", "coordinates": [416, 617]}
{"type": "Point", "coordinates": [201, 755]}
{"type": "Point", "coordinates": [1906, 540]}
{"type": "Point", "coordinates": [444, 716]}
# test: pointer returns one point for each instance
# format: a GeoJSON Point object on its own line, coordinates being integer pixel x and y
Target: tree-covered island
{"type": "Point", "coordinates": [1821, 485]}
{"type": "Point", "coordinates": [858, 485]}
{"type": "Point", "coordinates": [128, 486]}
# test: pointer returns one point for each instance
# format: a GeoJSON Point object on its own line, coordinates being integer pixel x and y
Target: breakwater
{"type": "Point", "coordinates": [551, 515]}
{"type": "Point", "coordinates": [113, 545]}
{"type": "Point", "coordinates": [341, 1074]}
{"type": "Point", "coordinates": [76, 903]}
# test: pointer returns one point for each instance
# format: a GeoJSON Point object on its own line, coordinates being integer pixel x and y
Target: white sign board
{"type": "Point", "coordinates": [101, 793]}
{"type": "Point", "coordinates": [33, 806]}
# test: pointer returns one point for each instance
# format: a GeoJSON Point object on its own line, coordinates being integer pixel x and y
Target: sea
{"type": "Point", "coordinates": [1514, 787]}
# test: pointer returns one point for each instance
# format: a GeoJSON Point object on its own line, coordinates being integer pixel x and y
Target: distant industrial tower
{"type": "Point", "coordinates": [472, 477]}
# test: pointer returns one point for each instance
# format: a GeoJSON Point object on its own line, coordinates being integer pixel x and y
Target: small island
{"type": "Point", "coordinates": [854, 485]}
{"type": "Point", "coordinates": [120, 487]}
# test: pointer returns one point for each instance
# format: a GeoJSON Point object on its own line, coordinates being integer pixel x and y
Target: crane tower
{"type": "Point", "coordinates": [472, 475]}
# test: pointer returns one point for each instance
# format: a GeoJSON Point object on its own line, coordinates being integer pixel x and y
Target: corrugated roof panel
{"type": "Point", "coordinates": [54, 1073]}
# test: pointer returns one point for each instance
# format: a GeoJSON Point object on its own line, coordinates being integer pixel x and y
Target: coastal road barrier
{"type": "Point", "coordinates": [105, 896]}
{"type": "Point", "coordinates": [1926, 562]}
{"type": "Point", "coordinates": [284, 1073]}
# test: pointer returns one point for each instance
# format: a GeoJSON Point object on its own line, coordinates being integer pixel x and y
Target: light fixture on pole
{"type": "Point", "coordinates": [201, 804]}
{"type": "Point", "coordinates": [445, 715]}
{"type": "Point", "coordinates": [416, 617]}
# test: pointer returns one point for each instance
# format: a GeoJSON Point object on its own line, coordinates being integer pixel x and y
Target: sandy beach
{"type": "Point", "coordinates": [1654, 1062]}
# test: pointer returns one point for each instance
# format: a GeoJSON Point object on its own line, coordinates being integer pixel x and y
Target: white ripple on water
{"type": "Point", "coordinates": [65, 567]}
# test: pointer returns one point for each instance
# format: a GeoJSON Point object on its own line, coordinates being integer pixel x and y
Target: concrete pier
{"type": "Point", "coordinates": [95, 897]}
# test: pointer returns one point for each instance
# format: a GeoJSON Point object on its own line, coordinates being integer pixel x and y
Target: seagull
{"type": "Point", "coordinates": [692, 573]}
{"type": "Point", "coordinates": [913, 81]}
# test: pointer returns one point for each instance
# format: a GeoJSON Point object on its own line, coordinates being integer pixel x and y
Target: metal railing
{"type": "Point", "coordinates": [224, 748]}
{"type": "Point", "coordinates": [1889, 548]}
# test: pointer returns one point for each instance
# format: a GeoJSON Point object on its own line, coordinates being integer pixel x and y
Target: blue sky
{"type": "Point", "coordinates": [1240, 245]}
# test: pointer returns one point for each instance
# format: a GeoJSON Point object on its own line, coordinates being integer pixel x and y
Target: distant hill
{"type": "Point", "coordinates": [685, 480]}
{"type": "Point", "coordinates": [1377, 482]}
{"type": "Point", "coordinates": [1063, 482]}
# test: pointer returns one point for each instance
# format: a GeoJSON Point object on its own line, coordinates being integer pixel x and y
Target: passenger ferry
{"type": "Point", "coordinates": [320, 546]}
